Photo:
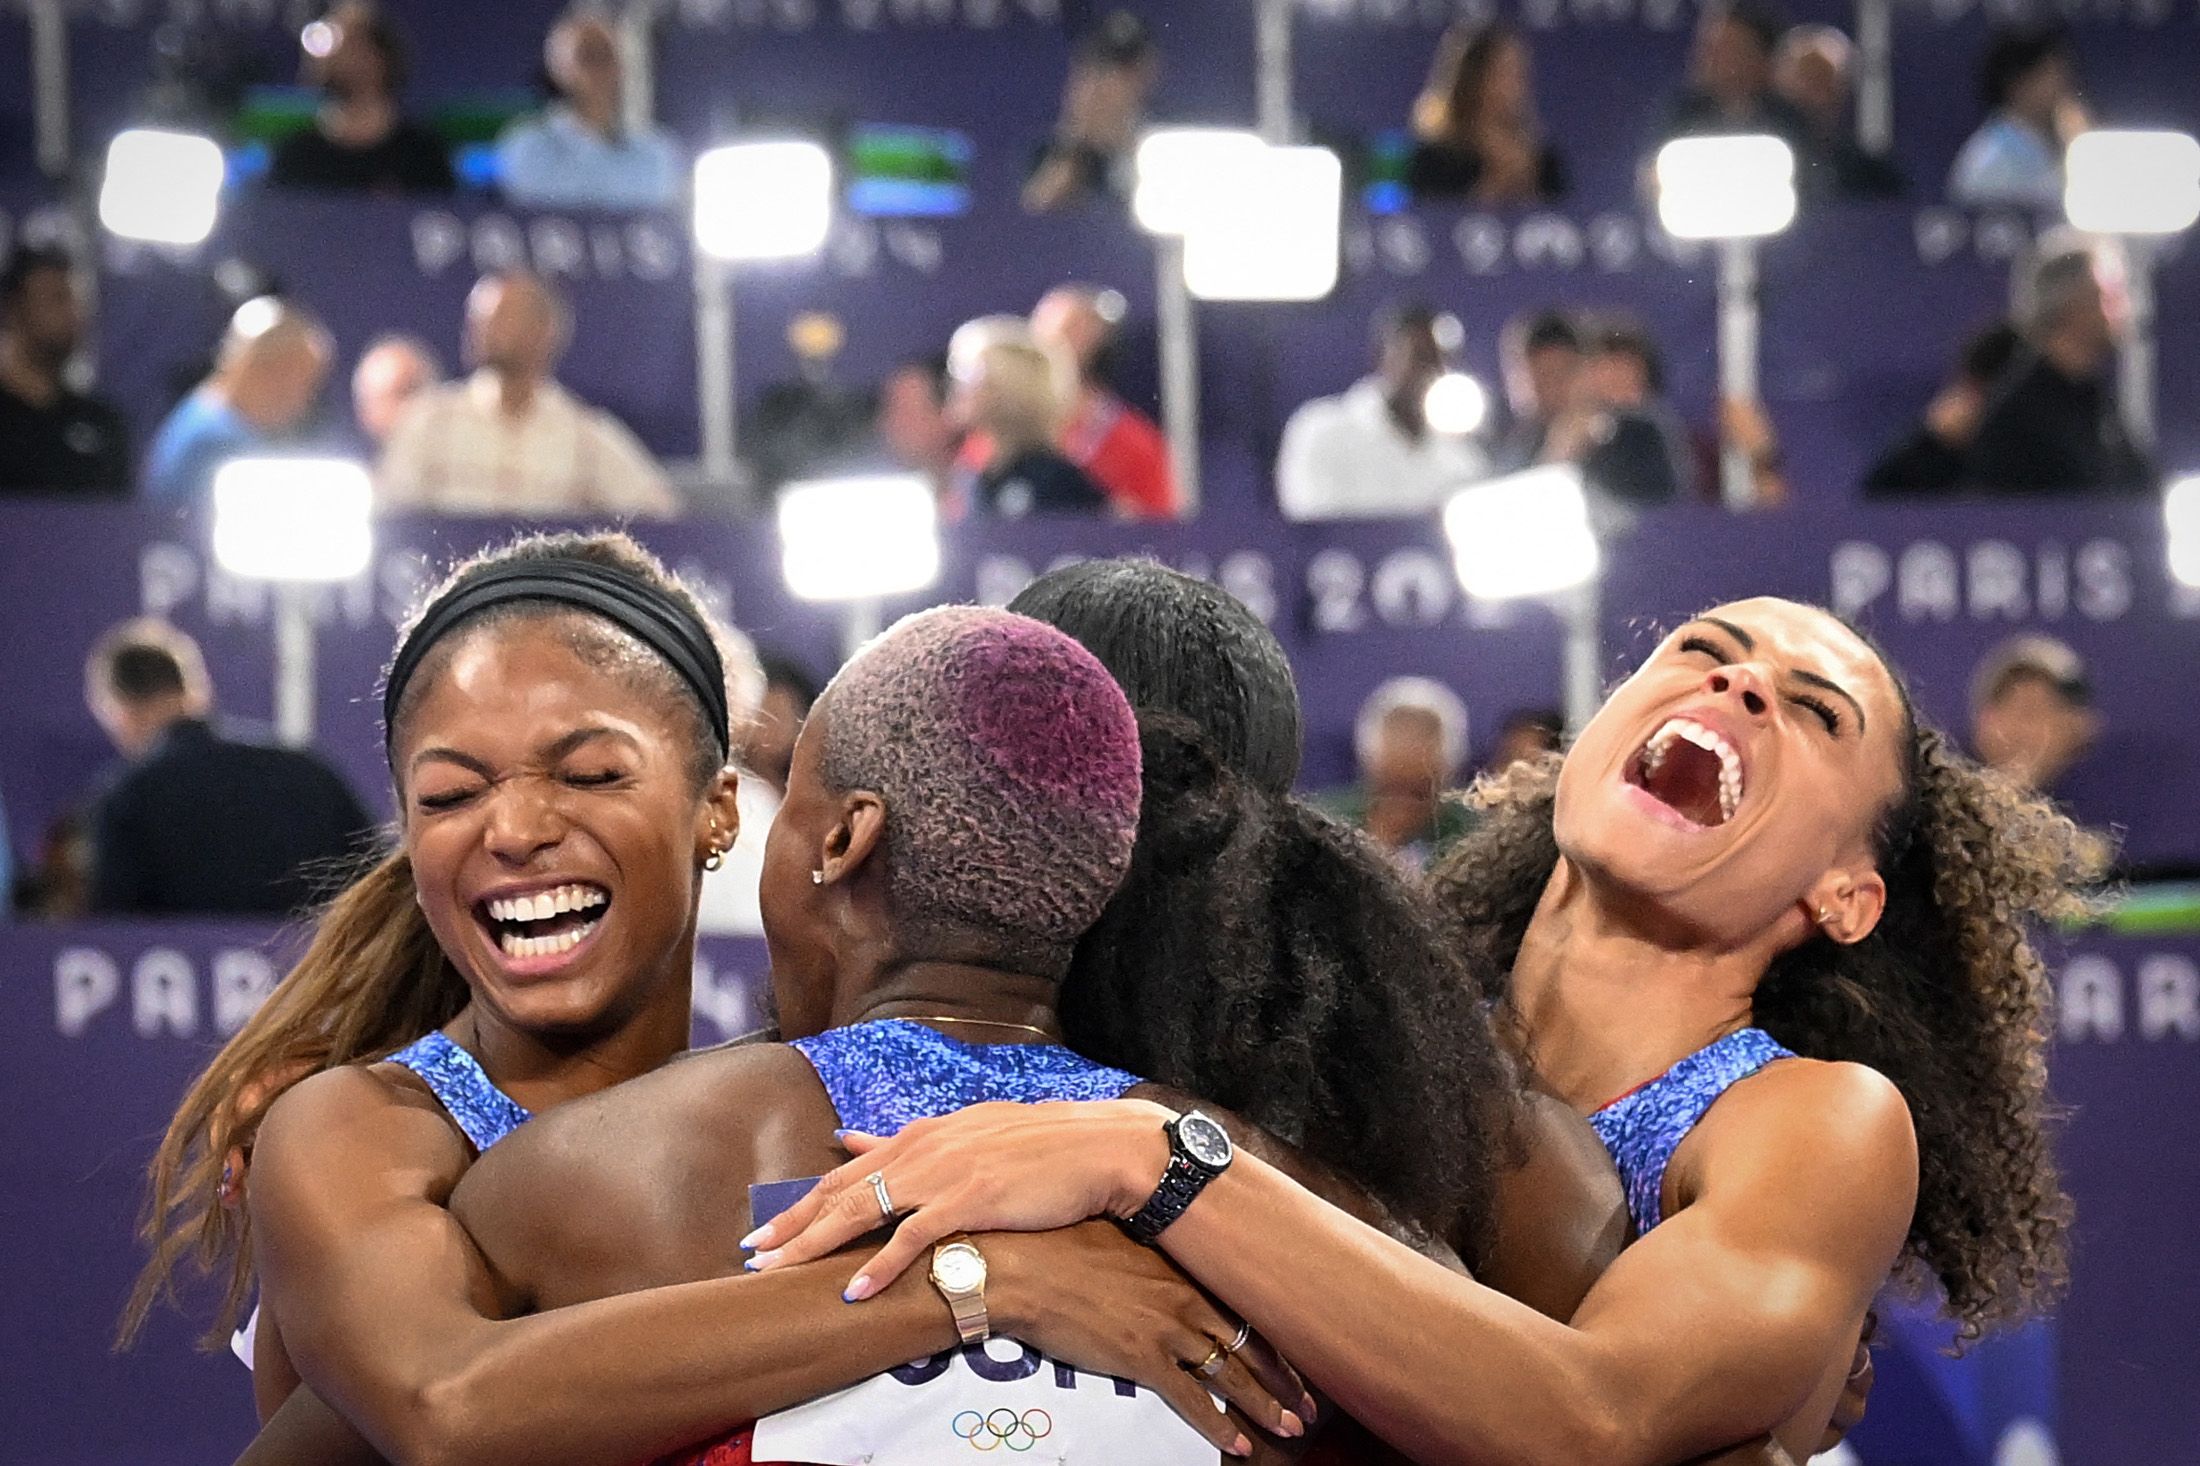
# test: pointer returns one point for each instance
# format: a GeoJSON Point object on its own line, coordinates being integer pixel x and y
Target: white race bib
{"type": "Point", "coordinates": [996, 1402]}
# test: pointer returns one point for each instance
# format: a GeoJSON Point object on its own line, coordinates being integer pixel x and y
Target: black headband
{"type": "Point", "coordinates": [658, 620]}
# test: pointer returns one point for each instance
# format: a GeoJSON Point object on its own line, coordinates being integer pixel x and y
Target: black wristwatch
{"type": "Point", "coordinates": [1199, 1151]}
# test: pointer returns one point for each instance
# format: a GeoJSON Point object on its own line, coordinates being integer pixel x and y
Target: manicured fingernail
{"type": "Point", "coordinates": [858, 1290]}
{"type": "Point", "coordinates": [1241, 1447]}
{"type": "Point", "coordinates": [1291, 1425]}
{"type": "Point", "coordinates": [757, 1238]}
{"type": "Point", "coordinates": [842, 1134]}
{"type": "Point", "coordinates": [1307, 1410]}
{"type": "Point", "coordinates": [761, 1261]}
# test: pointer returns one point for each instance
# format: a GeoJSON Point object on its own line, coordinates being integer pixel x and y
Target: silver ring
{"type": "Point", "coordinates": [885, 1202]}
{"type": "Point", "coordinates": [1244, 1333]}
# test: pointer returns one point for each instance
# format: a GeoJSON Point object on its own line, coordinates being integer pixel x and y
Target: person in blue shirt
{"type": "Point", "coordinates": [578, 153]}
{"type": "Point", "coordinates": [267, 377]}
{"type": "Point", "coordinates": [2029, 83]}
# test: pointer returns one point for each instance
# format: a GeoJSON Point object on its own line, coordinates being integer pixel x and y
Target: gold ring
{"type": "Point", "coordinates": [878, 1190]}
{"type": "Point", "coordinates": [1211, 1366]}
{"type": "Point", "coordinates": [1244, 1333]}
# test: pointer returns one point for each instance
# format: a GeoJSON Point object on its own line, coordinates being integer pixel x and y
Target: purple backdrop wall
{"type": "Point", "coordinates": [1353, 604]}
{"type": "Point", "coordinates": [107, 1023]}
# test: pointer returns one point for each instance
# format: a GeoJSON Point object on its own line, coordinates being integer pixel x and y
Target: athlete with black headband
{"type": "Point", "coordinates": [557, 731]}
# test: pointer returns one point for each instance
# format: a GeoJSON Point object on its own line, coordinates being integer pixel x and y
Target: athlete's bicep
{"type": "Point", "coordinates": [372, 1278]}
{"type": "Point", "coordinates": [1725, 1318]}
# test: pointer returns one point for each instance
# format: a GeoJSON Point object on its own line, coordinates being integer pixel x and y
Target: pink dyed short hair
{"type": "Point", "coordinates": [1008, 760]}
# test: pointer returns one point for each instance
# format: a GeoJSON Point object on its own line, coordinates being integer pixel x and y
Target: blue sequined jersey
{"type": "Point", "coordinates": [1643, 1127]}
{"type": "Point", "coordinates": [483, 1112]}
{"type": "Point", "coordinates": [887, 1074]}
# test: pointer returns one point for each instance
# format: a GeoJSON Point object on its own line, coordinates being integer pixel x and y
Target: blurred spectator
{"type": "Point", "coordinates": [1011, 396]}
{"type": "Point", "coordinates": [52, 440]}
{"type": "Point", "coordinates": [267, 376]}
{"type": "Point", "coordinates": [1540, 357]}
{"type": "Point", "coordinates": [360, 141]}
{"type": "Point", "coordinates": [509, 439]}
{"type": "Point", "coordinates": [2053, 426]}
{"type": "Point", "coordinates": [1628, 442]}
{"type": "Point", "coordinates": [2029, 83]}
{"type": "Point", "coordinates": [1812, 72]}
{"type": "Point", "coordinates": [1930, 459]}
{"type": "Point", "coordinates": [1111, 78]}
{"type": "Point", "coordinates": [1117, 446]}
{"type": "Point", "coordinates": [58, 886]}
{"type": "Point", "coordinates": [579, 154]}
{"type": "Point", "coordinates": [770, 696]}
{"type": "Point", "coordinates": [391, 373]}
{"type": "Point", "coordinates": [912, 423]}
{"type": "Point", "coordinates": [1369, 452]}
{"type": "Point", "coordinates": [811, 426]}
{"type": "Point", "coordinates": [1411, 742]}
{"type": "Point", "coordinates": [1475, 130]}
{"type": "Point", "coordinates": [2032, 711]}
{"type": "Point", "coordinates": [201, 822]}
{"type": "Point", "coordinates": [767, 750]}
{"type": "Point", "coordinates": [1730, 78]}
{"type": "Point", "coordinates": [1526, 733]}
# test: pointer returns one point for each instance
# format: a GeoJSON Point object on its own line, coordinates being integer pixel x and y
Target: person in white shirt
{"type": "Point", "coordinates": [509, 440]}
{"type": "Point", "coordinates": [580, 154]}
{"type": "Point", "coordinates": [1369, 452]}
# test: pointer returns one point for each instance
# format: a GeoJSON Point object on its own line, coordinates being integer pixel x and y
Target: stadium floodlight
{"type": "Point", "coordinates": [2132, 182]}
{"type": "Point", "coordinates": [1274, 231]}
{"type": "Point", "coordinates": [161, 187]}
{"type": "Point", "coordinates": [1522, 534]}
{"type": "Point", "coordinates": [298, 523]}
{"type": "Point", "coordinates": [2181, 514]}
{"type": "Point", "coordinates": [1736, 190]}
{"type": "Point", "coordinates": [1740, 187]}
{"type": "Point", "coordinates": [763, 200]}
{"type": "Point", "coordinates": [858, 539]}
{"type": "Point", "coordinates": [293, 519]}
{"type": "Point", "coordinates": [1529, 534]}
{"type": "Point", "coordinates": [1176, 171]}
{"type": "Point", "coordinates": [1455, 405]}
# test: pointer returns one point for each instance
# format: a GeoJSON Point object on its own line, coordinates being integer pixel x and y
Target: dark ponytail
{"type": "Point", "coordinates": [1265, 957]}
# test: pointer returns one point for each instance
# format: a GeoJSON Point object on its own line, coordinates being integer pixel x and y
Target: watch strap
{"type": "Point", "coordinates": [1181, 1182]}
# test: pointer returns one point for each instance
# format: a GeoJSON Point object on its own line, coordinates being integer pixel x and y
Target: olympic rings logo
{"type": "Point", "coordinates": [1002, 1426]}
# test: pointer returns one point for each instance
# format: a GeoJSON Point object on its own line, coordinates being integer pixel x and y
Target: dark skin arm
{"type": "Point", "coordinates": [392, 1312]}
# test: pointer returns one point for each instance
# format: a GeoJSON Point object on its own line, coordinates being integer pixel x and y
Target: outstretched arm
{"type": "Point", "coordinates": [1721, 1325]}
{"type": "Point", "coordinates": [391, 1312]}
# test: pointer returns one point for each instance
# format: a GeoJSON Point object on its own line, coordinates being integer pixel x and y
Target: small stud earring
{"type": "Point", "coordinates": [1823, 916]}
{"type": "Point", "coordinates": [817, 878]}
{"type": "Point", "coordinates": [715, 859]}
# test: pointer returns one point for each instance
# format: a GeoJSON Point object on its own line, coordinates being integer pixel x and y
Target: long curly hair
{"type": "Point", "coordinates": [1948, 997]}
{"type": "Point", "coordinates": [1260, 954]}
{"type": "Point", "coordinates": [372, 978]}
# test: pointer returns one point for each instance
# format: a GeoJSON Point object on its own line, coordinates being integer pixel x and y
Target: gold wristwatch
{"type": "Point", "coordinates": [958, 1271]}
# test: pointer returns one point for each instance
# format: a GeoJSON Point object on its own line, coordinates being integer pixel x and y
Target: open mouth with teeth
{"type": "Point", "coordinates": [1691, 770]}
{"type": "Point", "coordinates": [545, 923]}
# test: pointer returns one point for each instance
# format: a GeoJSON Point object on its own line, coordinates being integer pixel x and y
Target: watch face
{"type": "Point", "coordinates": [959, 1269]}
{"type": "Point", "coordinates": [1206, 1142]}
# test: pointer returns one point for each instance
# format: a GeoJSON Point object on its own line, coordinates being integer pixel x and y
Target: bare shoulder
{"type": "Point", "coordinates": [1841, 1111]}
{"type": "Point", "coordinates": [605, 1192]}
{"type": "Point", "coordinates": [1806, 1138]}
{"type": "Point", "coordinates": [359, 1116]}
